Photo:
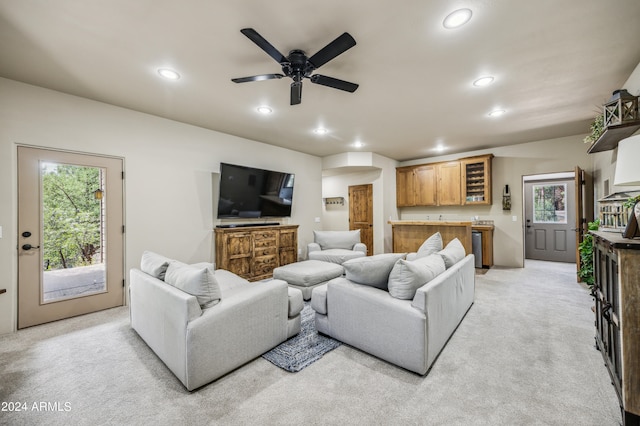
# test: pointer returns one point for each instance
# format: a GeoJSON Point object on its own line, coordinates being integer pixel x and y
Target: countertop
{"type": "Point", "coordinates": [478, 226]}
{"type": "Point", "coordinates": [431, 222]}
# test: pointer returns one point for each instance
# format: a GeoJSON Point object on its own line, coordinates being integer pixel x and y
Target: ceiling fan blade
{"type": "Point", "coordinates": [334, 82]}
{"type": "Point", "coordinates": [264, 44]}
{"type": "Point", "coordinates": [296, 92]}
{"type": "Point", "coordinates": [256, 78]}
{"type": "Point", "coordinates": [333, 49]}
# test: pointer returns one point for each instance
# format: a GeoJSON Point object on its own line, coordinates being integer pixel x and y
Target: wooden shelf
{"type": "Point", "coordinates": [612, 135]}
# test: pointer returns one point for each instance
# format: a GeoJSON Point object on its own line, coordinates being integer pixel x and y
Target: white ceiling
{"type": "Point", "coordinates": [555, 64]}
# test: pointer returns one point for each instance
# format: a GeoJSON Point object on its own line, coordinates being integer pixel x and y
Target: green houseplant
{"type": "Point", "coordinates": [597, 129]}
{"type": "Point", "coordinates": [586, 255]}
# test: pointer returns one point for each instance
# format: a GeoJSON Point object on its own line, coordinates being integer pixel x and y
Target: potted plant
{"type": "Point", "coordinates": [597, 129]}
{"type": "Point", "coordinates": [586, 255]}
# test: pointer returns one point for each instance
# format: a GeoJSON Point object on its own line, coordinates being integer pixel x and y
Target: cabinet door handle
{"type": "Point", "coordinates": [606, 311]}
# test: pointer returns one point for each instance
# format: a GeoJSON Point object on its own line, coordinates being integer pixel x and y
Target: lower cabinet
{"type": "Point", "coordinates": [254, 252]}
{"type": "Point", "coordinates": [617, 307]}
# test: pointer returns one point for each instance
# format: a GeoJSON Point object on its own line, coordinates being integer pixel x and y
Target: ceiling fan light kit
{"type": "Point", "coordinates": [298, 66]}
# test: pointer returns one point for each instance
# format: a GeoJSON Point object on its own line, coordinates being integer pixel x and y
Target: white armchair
{"type": "Point", "coordinates": [336, 246]}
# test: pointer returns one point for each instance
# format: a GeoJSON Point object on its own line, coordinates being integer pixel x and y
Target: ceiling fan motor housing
{"type": "Point", "coordinates": [297, 67]}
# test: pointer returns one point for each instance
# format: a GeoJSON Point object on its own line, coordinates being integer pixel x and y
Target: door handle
{"type": "Point", "coordinates": [29, 247]}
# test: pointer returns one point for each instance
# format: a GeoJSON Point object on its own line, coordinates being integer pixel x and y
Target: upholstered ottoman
{"type": "Point", "coordinates": [308, 274]}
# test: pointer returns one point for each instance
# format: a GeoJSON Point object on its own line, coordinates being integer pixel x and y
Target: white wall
{"type": "Point", "coordinates": [605, 162]}
{"type": "Point", "coordinates": [169, 166]}
{"type": "Point", "coordinates": [509, 165]}
{"type": "Point", "coordinates": [381, 173]}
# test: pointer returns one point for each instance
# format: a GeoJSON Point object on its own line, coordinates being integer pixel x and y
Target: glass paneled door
{"type": "Point", "coordinates": [550, 220]}
{"type": "Point", "coordinates": [70, 248]}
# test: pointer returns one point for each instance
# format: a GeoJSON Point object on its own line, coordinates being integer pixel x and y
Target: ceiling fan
{"type": "Point", "coordinates": [298, 66]}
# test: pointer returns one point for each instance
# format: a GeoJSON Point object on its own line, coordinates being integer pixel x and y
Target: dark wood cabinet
{"type": "Point", "coordinates": [617, 307]}
{"type": "Point", "coordinates": [254, 252]}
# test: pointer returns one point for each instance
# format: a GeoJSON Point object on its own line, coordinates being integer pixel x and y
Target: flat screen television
{"type": "Point", "coordinates": [247, 192]}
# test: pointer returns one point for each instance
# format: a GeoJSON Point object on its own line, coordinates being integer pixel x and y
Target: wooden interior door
{"type": "Point", "coordinates": [361, 213]}
{"type": "Point", "coordinates": [584, 209]}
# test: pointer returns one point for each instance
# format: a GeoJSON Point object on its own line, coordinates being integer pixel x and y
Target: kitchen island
{"type": "Point", "coordinates": [408, 235]}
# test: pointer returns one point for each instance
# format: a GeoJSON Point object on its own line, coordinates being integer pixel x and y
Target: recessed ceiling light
{"type": "Point", "coordinates": [440, 148]}
{"type": "Point", "coordinates": [358, 144]}
{"type": "Point", "coordinates": [483, 81]}
{"type": "Point", "coordinates": [496, 113]}
{"type": "Point", "coordinates": [320, 131]}
{"type": "Point", "coordinates": [457, 18]}
{"type": "Point", "coordinates": [169, 74]}
{"type": "Point", "coordinates": [264, 109]}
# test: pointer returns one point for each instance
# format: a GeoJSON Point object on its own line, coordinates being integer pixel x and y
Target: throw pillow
{"type": "Point", "coordinates": [197, 280]}
{"type": "Point", "coordinates": [408, 276]}
{"type": "Point", "coordinates": [452, 253]}
{"type": "Point", "coordinates": [336, 239]}
{"type": "Point", "coordinates": [432, 245]}
{"type": "Point", "coordinates": [371, 270]}
{"type": "Point", "coordinates": [154, 264]}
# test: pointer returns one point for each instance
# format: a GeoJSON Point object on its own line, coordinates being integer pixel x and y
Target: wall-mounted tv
{"type": "Point", "coordinates": [247, 192]}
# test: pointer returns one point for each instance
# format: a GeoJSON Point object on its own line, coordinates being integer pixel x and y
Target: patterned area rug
{"type": "Point", "coordinates": [303, 349]}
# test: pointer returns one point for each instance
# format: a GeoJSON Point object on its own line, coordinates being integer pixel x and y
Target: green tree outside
{"type": "Point", "coordinates": [72, 216]}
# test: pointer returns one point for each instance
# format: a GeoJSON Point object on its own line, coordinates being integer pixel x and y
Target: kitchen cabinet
{"type": "Point", "coordinates": [405, 187]}
{"type": "Point", "coordinates": [448, 184]}
{"type": "Point", "coordinates": [476, 180]}
{"type": "Point", "coordinates": [465, 181]}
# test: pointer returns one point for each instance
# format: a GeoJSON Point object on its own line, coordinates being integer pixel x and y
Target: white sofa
{"type": "Point", "coordinates": [224, 323]}
{"type": "Point", "coordinates": [336, 246]}
{"type": "Point", "coordinates": [406, 324]}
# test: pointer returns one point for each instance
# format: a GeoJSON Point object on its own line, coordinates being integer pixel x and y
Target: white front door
{"type": "Point", "coordinates": [70, 235]}
{"type": "Point", "coordinates": [550, 220]}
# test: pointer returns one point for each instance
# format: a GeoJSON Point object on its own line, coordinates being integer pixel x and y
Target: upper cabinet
{"type": "Point", "coordinates": [448, 188]}
{"type": "Point", "coordinates": [476, 180]}
{"type": "Point", "coordinates": [466, 181]}
{"type": "Point", "coordinates": [405, 187]}
{"type": "Point", "coordinates": [425, 185]}
{"type": "Point", "coordinates": [416, 186]}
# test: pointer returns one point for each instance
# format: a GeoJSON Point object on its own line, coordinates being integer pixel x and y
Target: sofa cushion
{"type": "Point", "coordinates": [336, 239]}
{"type": "Point", "coordinates": [338, 256]}
{"type": "Point", "coordinates": [452, 253]}
{"type": "Point", "coordinates": [154, 264]}
{"type": "Point", "coordinates": [308, 272]}
{"type": "Point", "coordinates": [432, 245]}
{"type": "Point", "coordinates": [197, 280]}
{"type": "Point", "coordinates": [408, 276]}
{"type": "Point", "coordinates": [373, 270]}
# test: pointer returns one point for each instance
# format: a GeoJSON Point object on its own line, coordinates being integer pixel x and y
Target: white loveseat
{"type": "Point", "coordinates": [407, 322]}
{"type": "Point", "coordinates": [224, 323]}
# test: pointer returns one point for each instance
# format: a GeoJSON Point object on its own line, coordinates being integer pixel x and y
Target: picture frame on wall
{"type": "Point", "coordinates": [632, 229]}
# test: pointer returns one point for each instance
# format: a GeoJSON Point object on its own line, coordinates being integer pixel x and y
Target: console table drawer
{"type": "Point", "coordinates": [265, 264]}
{"type": "Point", "coordinates": [265, 251]}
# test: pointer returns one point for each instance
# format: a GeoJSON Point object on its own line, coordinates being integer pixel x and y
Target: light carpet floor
{"type": "Point", "coordinates": [523, 355]}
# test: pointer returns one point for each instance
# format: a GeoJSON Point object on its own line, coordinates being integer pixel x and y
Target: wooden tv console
{"type": "Point", "coordinates": [253, 252]}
